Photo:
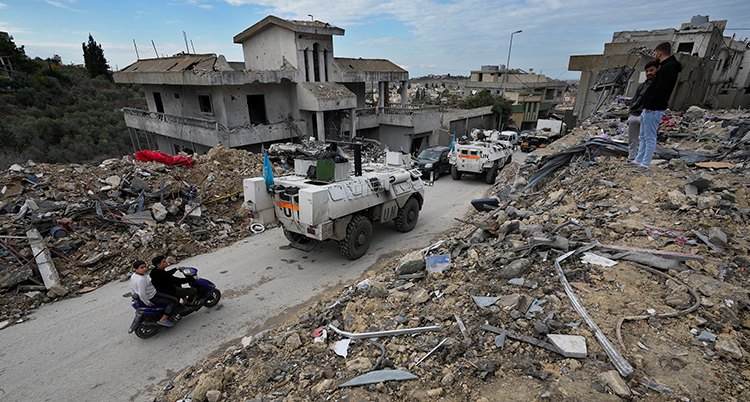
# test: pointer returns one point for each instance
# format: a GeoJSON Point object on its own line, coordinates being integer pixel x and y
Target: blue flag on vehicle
{"type": "Point", "coordinates": [453, 141]}
{"type": "Point", "coordinates": [267, 172]}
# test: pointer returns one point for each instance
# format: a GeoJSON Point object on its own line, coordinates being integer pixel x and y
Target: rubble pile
{"type": "Point", "coordinates": [96, 220]}
{"type": "Point", "coordinates": [594, 283]}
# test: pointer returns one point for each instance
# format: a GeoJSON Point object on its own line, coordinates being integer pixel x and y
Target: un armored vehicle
{"type": "Point", "coordinates": [484, 155]}
{"type": "Point", "coordinates": [323, 201]}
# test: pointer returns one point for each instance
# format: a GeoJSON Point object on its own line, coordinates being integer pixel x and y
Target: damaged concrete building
{"type": "Point", "coordinates": [533, 95]}
{"type": "Point", "coordinates": [289, 86]}
{"type": "Point", "coordinates": [716, 68]}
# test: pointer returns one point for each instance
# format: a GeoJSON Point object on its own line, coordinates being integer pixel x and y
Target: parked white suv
{"type": "Point", "coordinates": [510, 136]}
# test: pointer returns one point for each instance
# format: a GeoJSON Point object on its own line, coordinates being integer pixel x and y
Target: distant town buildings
{"type": "Point", "coordinates": [533, 95]}
{"type": "Point", "coordinates": [716, 68]}
{"type": "Point", "coordinates": [288, 86]}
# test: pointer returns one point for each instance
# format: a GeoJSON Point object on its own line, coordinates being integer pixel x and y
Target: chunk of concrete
{"type": "Point", "coordinates": [726, 346]}
{"type": "Point", "coordinates": [43, 258]}
{"type": "Point", "coordinates": [700, 180]}
{"type": "Point", "coordinates": [483, 302]}
{"type": "Point", "coordinates": [359, 364]}
{"type": "Point", "coordinates": [508, 302]}
{"type": "Point", "coordinates": [516, 269]}
{"type": "Point", "coordinates": [695, 113]}
{"type": "Point", "coordinates": [411, 263]}
{"type": "Point", "coordinates": [616, 383]}
{"type": "Point", "coordinates": [717, 236]}
{"type": "Point", "coordinates": [420, 296]}
{"type": "Point", "coordinates": [137, 184]}
{"type": "Point", "coordinates": [517, 281]}
{"type": "Point", "coordinates": [569, 345]}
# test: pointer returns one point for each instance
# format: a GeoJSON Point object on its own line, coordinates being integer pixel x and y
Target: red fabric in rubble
{"type": "Point", "coordinates": [148, 156]}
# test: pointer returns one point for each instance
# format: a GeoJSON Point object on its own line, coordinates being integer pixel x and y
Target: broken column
{"type": "Point", "coordinates": [43, 259]}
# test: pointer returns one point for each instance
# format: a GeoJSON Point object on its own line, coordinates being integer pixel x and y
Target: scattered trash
{"type": "Point", "coordinates": [438, 263]}
{"type": "Point", "coordinates": [591, 258]}
{"type": "Point", "coordinates": [342, 347]}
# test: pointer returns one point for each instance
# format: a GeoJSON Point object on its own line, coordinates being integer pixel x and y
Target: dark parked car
{"type": "Point", "coordinates": [433, 159]}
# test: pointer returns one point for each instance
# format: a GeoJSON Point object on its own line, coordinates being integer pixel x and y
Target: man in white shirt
{"type": "Point", "coordinates": [140, 285]}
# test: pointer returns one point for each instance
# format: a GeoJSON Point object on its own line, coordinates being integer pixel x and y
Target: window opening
{"type": "Point", "coordinates": [256, 107]}
{"type": "Point", "coordinates": [204, 104]}
{"type": "Point", "coordinates": [158, 103]}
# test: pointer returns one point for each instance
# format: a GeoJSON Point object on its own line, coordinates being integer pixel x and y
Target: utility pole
{"type": "Point", "coordinates": [507, 65]}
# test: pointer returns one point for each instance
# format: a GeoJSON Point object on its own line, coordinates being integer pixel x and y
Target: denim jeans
{"type": "Point", "coordinates": [647, 139]}
{"type": "Point", "coordinates": [634, 132]}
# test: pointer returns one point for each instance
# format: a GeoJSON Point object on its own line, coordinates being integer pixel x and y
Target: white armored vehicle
{"type": "Point", "coordinates": [323, 201]}
{"type": "Point", "coordinates": [485, 155]}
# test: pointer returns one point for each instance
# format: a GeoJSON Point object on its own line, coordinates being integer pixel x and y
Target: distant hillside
{"type": "Point", "coordinates": [58, 114]}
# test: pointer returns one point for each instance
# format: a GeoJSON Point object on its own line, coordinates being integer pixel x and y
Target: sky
{"type": "Point", "coordinates": [422, 36]}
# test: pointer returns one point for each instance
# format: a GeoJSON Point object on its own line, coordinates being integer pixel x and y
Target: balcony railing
{"type": "Point", "coordinates": [406, 110]}
{"type": "Point", "coordinates": [169, 118]}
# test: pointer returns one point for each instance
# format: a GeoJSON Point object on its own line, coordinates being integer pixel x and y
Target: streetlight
{"type": "Point", "coordinates": [507, 65]}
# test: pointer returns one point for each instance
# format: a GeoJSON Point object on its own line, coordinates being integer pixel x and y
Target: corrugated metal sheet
{"type": "Point", "coordinates": [367, 65]}
{"type": "Point", "coordinates": [324, 90]}
{"type": "Point", "coordinates": [180, 63]}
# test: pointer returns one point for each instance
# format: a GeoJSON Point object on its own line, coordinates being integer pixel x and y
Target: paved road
{"type": "Point", "coordinates": [79, 349]}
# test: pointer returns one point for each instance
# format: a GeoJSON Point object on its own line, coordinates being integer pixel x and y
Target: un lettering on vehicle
{"type": "Point", "coordinates": [287, 209]}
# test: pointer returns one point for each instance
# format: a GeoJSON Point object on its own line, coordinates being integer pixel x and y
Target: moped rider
{"type": "Point", "coordinates": [165, 282]}
{"type": "Point", "coordinates": [141, 286]}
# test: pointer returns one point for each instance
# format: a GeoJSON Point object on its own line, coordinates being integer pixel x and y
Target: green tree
{"type": "Point", "coordinates": [17, 56]}
{"type": "Point", "coordinates": [481, 99]}
{"type": "Point", "coordinates": [93, 57]}
{"type": "Point", "coordinates": [502, 107]}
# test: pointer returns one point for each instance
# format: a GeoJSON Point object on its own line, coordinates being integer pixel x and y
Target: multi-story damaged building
{"type": "Point", "coordinates": [289, 86]}
{"type": "Point", "coordinates": [715, 71]}
{"type": "Point", "coordinates": [533, 95]}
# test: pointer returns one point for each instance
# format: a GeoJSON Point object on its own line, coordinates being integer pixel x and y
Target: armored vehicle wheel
{"type": "Point", "coordinates": [491, 174]}
{"type": "Point", "coordinates": [407, 216]}
{"type": "Point", "coordinates": [455, 174]}
{"type": "Point", "coordinates": [358, 237]}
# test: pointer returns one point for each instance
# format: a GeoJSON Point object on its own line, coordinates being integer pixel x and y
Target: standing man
{"type": "Point", "coordinates": [140, 285]}
{"type": "Point", "coordinates": [655, 102]}
{"type": "Point", "coordinates": [636, 107]}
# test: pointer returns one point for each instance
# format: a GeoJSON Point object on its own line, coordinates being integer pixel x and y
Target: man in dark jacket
{"type": "Point", "coordinates": [165, 282]}
{"type": "Point", "coordinates": [655, 102]}
{"type": "Point", "coordinates": [636, 107]}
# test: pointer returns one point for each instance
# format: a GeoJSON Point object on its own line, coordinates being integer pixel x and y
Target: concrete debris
{"type": "Point", "coordinates": [119, 206]}
{"type": "Point", "coordinates": [569, 345]}
{"type": "Point", "coordinates": [618, 386]}
{"type": "Point", "coordinates": [535, 222]}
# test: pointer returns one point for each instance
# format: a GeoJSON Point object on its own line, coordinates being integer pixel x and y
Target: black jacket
{"type": "Point", "coordinates": [658, 93]}
{"type": "Point", "coordinates": [636, 105]}
{"type": "Point", "coordinates": [164, 280]}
